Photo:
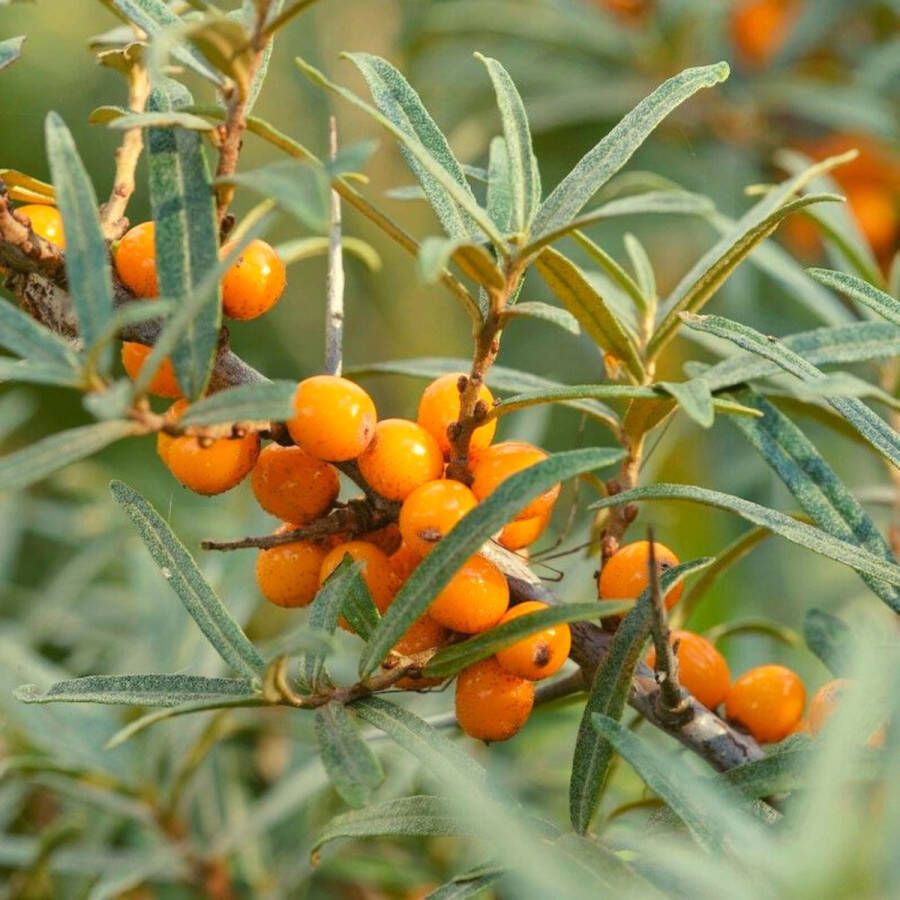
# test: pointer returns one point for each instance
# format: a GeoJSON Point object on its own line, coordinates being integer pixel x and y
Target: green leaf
{"type": "Point", "coordinates": [437, 569]}
{"type": "Point", "coordinates": [227, 45]}
{"type": "Point", "coordinates": [307, 248]}
{"type": "Point", "coordinates": [612, 269]}
{"type": "Point", "coordinates": [499, 199]}
{"type": "Point", "coordinates": [87, 259]}
{"type": "Point", "coordinates": [581, 299]}
{"type": "Point", "coordinates": [782, 771]}
{"type": "Point", "coordinates": [36, 461]}
{"type": "Point", "coordinates": [873, 428]}
{"type": "Point", "coordinates": [472, 259]}
{"type": "Point", "coordinates": [831, 640]}
{"type": "Point", "coordinates": [155, 119]}
{"type": "Point", "coordinates": [353, 768]}
{"type": "Point", "coordinates": [608, 156]}
{"type": "Point", "coordinates": [814, 484]}
{"type": "Point", "coordinates": [524, 178]}
{"type": "Point", "coordinates": [139, 690]}
{"type": "Point", "coordinates": [535, 309]}
{"type": "Point", "coordinates": [180, 570]}
{"type": "Point", "coordinates": [467, 884]}
{"type": "Point", "coordinates": [22, 335]}
{"type": "Point", "coordinates": [451, 198]}
{"type": "Point", "coordinates": [860, 291]}
{"type": "Point", "coordinates": [643, 268]}
{"type": "Point", "coordinates": [187, 245]}
{"type": "Point", "coordinates": [266, 401]}
{"type": "Point", "coordinates": [10, 50]}
{"type": "Point", "coordinates": [608, 695]}
{"type": "Point", "coordinates": [24, 371]}
{"type": "Point", "coordinates": [409, 816]}
{"type": "Point", "coordinates": [458, 656]}
{"type": "Point", "coordinates": [360, 611]}
{"type": "Point", "coordinates": [798, 533]}
{"type": "Point", "coordinates": [694, 398]}
{"type": "Point", "coordinates": [275, 10]}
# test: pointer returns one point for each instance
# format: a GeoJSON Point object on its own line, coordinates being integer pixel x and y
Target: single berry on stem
{"type": "Point", "coordinates": [540, 654]}
{"type": "Point", "coordinates": [292, 485]}
{"type": "Point", "coordinates": [439, 409]}
{"type": "Point", "coordinates": [702, 670]}
{"type": "Point", "coordinates": [288, 575]}
{"type": "Point", "coordinates": [474, 600]}
{"type": "Point", "coordinates": [626, 575]}
{"type": "Point", "coordinates": [491, 703]}
{"type": "Point", "coordinates": [401, 457]}
{"type": "Point", "coordinates": [768, 701]}
{"type": "Point", "coordinates": [254, 283]}
{"type": "Point", "coordinates": [135, 260]}
{"type": "Point", "coordinates": [431, 511]}
{"type": "Point", "coordinates": [46, 222]}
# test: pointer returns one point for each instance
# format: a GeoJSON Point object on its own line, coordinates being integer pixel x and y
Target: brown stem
{"type": "Point", "coordinates": [621, 517]}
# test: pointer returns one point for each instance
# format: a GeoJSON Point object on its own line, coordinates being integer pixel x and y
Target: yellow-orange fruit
{"type": "Point", "coordinates": [424, 634]}
{"type": "Point", "coordinates": [701, 668]}
{"type": "Point", "coordinates": [439, 409]}
{"type": "Point", "coordinates": [46, 222]}
{"type": "Point", "coordinates": [493, 465]}
{"type": "Point", "coordinates": [135, 260]}
{"type": "Point", "coordinates": [333, 419]}
{"type": "Point", "coordinates": [540, 654]}
{"type": "Point", "coordinates": [431, 511]}
{"type": "Point", "coordinates": [400, 457]}
{"type": "Point", "coordinates": [288, 575]}
{"type": "Point", "coordinates": [404, 561]}
{"type": "Point", "coordinates": [768, 701]}
{"type": "Point", "coordinates": [292, 485]}
{"type": "Point", "coordinates": [376, 570]}
{"type": "Point", "coordinates": [759, 28]}
{"type": "Point", "coordinates": [878, 216]}
{"type": "Point", "coordinates": [626, 573]}
{"type": "Point", "coordinates": [164, 383]}
{"type": "Point", "coordinates": [474, 600]}
{"type": "Point", "coordinates": [254, 283]}
{"type": "Point", "coordinates": [520, 533]}
{"type": "Point", "coordinates": [491, 703]}
{"type": "Point", "coordinates": [824, 703]}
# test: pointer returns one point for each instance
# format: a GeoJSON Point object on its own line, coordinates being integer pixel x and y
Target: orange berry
{"type": "Point", "coordinates": [376, 570]}
{"type": "Point", "coordinates": [254, 284]}
{"type": "Point", "coordinates": [701, 668]}
{"type": "Point", "coordinates": [404, 561]}
{"type": "Point", "coordinates": [46, 222]}
{"type": "Point", "coordinates": [491, 703]}
{"type": "Point", "coordinates": [423, 634]}
{"type": "Point", "coordinates": [521, 532]}
{"type": "Point", "coordinates": [334, 418]}
{"type": "Point", "coordinates": [629, 10]}
{"type": "Point", "coordinates": [164, 383]}
{"type": "Point", "coordinates": [207, 466]}
{"type": "Point", "coordinates": [431, 511]}
{"type": "Point", "coordinates": [439, 409]}
{"type": "Point", "coordinates": [292, 485]}
{"type": "Point", "coordinates": [626, 573]}
{"type": "Point", "coordinates": [135, 260]}
{"type": "Point", "coordinates": [877, 215]}
{"type": "Point", "coordinates": [288, 575]}
{"type": "Point", "coordinates": [824, 703]}
{"type": "Point", "coordinates": [768, 701]}
{"type": "Point", "coordinates": [539, 655]}
{"type": "Point", "coordinates": [400, 457]}
{"type": "Point", "coordinates": [759, 28]}
{"type": "Point", "coordinates": [474, 600]}
{"type": "Point", "coordinates": [493, 465]}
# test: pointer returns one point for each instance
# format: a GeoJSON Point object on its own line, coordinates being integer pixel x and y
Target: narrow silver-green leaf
{"type": "Point", "coordinates": [458, 656]}
{"type": "Point", "coordinates": [612, 269]}
{"type": "Point", "coordinates": [535, 309]}
{"type": "Point", "coordinates": [694, 398]}
{"type": "Point", "coordinates": [360, 610]}
{"type": "Point", "coordinates": [860, 291]}
{"type": "Point", "coordinates": [139, 690]}
{"type": "Point", "coordinates": [187, 245]}
{"type": "Point", "coordinates": [614, 150]}
{"type": "Point", "coordinates": [24, 371]}
{"type": "Point", "coordinates": [181, 571]}
{"type": "Point", "coordinates": [499, 190]}
{"type": "Point", "coordinates": [574, 291]}
{"type": "Point", "coordinates": [22, 335]}
{"type": "Point", "coordinates": [524, 178]}
{"type": "Point", "coordinates": [643, 267]}
{"type": "Point", "coordinates": [351, 764]}
{"type": "Point", "coordinates": [436, 570]}
{"type": "Point", "coordinates": [472, 259]}
{"type": "Point", "coordinates": [10, 50]}
{"type": "Point", "coordinates": [36, 461]}
{"type": "Point", "coordinates": [608, 695]}
{"type": "Point", "coordinates": [831, 639]}
{"type": "Point", "coordinates": [87, 259]}
{"type": "Point", "coordinates": [467, 884]}
{"type": "Point", "coordinates": [160, 119]}
{"type": "Point", "coordinates": [797, 532]}
{"type": "Point", "coordinates": [267, 401]}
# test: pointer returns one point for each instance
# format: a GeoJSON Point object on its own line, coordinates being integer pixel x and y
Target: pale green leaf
{"type": "Point", "coordinates": [535, 309]}
{"type": "Point", "coordinates": [499, 200]}
{"type": "Point", "coordinates": [353, 768]}
{"type": "Point", "coordinates": [472, 259]}
{"type": "Point", "coordinates": [10, 50]}
{"type": "Point", "coordinates": [267, 401]}
{"type": "Point", "coordinates": [860, 291]}
{"type": "Point", "coordinates": [25, 337]}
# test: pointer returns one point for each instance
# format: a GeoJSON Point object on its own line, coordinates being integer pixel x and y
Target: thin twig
{"type": "Point", "coordinates": [334, 284]}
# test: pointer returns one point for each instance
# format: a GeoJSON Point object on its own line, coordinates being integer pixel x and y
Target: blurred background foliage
{"type": "Point", "coordinates": [76, 589]}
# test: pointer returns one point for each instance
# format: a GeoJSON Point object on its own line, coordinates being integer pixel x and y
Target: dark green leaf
{"type": "Point", "coordinates": [860, 291]}
{"type": "Point", "coordinates": [267, 401]}
{"type": "Point", "coordinates": [87, 259]}
{"type": "Point", "coordinates": [25, 337]}
{"type": "Point", "coordinates": [10, 50]}
{"type": "Point", "coordinates": [439, 567]}
{"type": "Point", "coordinates": [830, 639]}
{"type": "Point", "coordinates": [472, 259]}
{"type": "Point", "coordinates": [181, 571]}
{"type": "Point", "coordinates": [353, 768]}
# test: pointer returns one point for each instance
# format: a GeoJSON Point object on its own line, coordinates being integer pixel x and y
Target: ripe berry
{"type": "Point", "coordinates": [474, 600]}
{"type": "Point", "coordinates": [493, 465]}
{"type": "Point", "coordinates": [423, 634]}
{"type": "Point", "coordinates": [404, 561]}
{"type": "Point", "coordinates": [759, 28]}
{"type": "Point", "coordinates": [207, 466]}
{"type": "Point", "coordinates": [701, 668]}
{"type": "Point", "coordinates": [626, 573]}
{"type": "Point", "coordinates": [401, 456]}
{"type": "Point", "coordinates": [491, 703]}
{"type": "Point", "coordinates": [135, 260]}
{"type": "Point", "coordinates": [539, 655]}
{"type": "Point", "coordinates": [254, 284]}
{"type": "Point", "coordinates": [768, 701]}
{"type": "Point", "coordinates": [431, 511]}
{"type": "Point", "coordinates": [376, 570]}
{"type": "Point", "coordinates": [877, 215]}
{"type": "Point", "coordinates": [824, 703]}
{"type": "Point", "coordinates": [288, 575]}
{"type": "Point", "coordinates": [334, 418]}
{"type": "Point", "coordinates": [164, 383]}
{"type": "Point", "coordinates": [292, 485]}
{"type": "Point", "coordinates": [439, 409]}
{"type": "Point", "coordinates": [521, 533]}
{"type": "Point", "coordinates": [45, 222]}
